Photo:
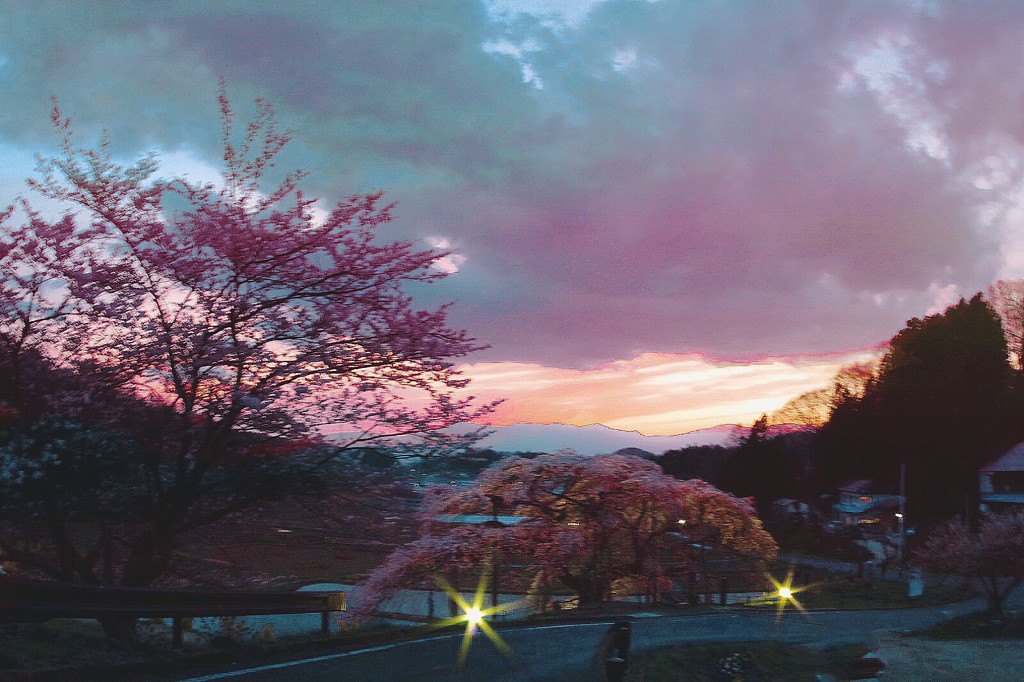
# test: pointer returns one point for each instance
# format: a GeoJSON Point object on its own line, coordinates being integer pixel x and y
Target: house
{"type": "Point", "coordinates": [1001, 483]}
{"type": "Point", "coordinates": [860, 503]}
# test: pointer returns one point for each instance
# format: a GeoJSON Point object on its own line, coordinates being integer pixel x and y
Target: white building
{"type": "Point", "coordinates": [1001, 483]}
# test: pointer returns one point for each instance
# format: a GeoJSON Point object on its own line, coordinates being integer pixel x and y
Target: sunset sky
{"type": "Point", "coordinates": [665, 214]}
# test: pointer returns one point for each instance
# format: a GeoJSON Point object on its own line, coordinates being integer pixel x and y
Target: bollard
{"type": "Point", "coordinates": [620, 639]}
{"type": "Point", "coordinates": [615, 669]}
{"type": "Point", "coordinates": [723, 591]}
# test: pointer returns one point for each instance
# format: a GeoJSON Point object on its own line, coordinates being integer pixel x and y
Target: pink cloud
{"type": "Point", "coordinates": [760, 178]}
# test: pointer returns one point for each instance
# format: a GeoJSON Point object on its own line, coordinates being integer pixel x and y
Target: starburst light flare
{"type": "Point", "coordinates": [785, 592]}
{"type": "Point", "coordinates": [474, 615]}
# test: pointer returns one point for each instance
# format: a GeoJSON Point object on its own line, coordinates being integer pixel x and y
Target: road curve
{"type": "Point", "coordinates": [567, 652]}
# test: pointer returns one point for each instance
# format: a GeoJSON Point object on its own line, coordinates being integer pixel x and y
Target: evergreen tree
{"type": "Point", "coordinates": [762, 468]}
{"type": "Point", "coordinates": [937, 404]}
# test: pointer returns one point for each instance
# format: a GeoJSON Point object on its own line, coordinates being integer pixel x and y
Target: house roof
{"type": "Point", "coordinates": [857, 486]}
{"type": "Point", "coordinates": [479, 519]}
{"type": "Point", "coordinates": [1011, 460]}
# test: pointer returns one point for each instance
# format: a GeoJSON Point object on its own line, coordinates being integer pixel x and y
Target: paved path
{"type": "Point", "coordinates": [567, 652]}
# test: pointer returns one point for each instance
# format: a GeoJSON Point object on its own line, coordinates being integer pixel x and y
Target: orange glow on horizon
{"type": "Point", "coordinates": [657, 394]}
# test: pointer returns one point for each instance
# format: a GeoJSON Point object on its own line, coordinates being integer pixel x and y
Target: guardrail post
{"type": "Point", "coordinates": [723, 591]}
{"type": "Point", "coordinates": [176, 638]}
{"type": "Point", "coordinates": [325, 622]}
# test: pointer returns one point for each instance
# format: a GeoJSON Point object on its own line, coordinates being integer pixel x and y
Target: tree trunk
{"type": "Point", "coordinates": [148, 558]}
{"type": "Point", "coordinates": [146, 562]}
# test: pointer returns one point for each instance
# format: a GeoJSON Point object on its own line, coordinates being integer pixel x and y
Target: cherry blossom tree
{"type": "Point", "coordinates": [814, 408]}
{"type": "Point", "coordinates": [213, 318]}
{"type": "Point", "coordinates": [589, 523]}
{"type": "Point", "coordinates": [1007, 297]}
{"type": "Point", "coordinates": [994, 554]}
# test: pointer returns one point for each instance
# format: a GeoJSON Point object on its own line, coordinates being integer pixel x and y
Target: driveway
{"type": "Point", "coordinates": [912, 660]}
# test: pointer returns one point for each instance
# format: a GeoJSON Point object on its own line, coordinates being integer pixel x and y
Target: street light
{"type": "Point", "coordinates": [899, 543]}
{"type": "Point", "coordinates": [899, 516]}
{"type": "Point", "coordinates": [786, 594]}
{"type": "Point", "coordinates": [474, 616]}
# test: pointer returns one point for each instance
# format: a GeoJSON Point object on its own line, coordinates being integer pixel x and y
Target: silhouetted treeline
{"type": "Point", "coordinates": [944, 401]}
{"type": "Point", "coordinates": [706, 462]}
{"type": "Point", "coordinates": [760, 467]}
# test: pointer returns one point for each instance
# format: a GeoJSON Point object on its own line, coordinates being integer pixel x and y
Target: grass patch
{"type": "Point", "coordinates": [749, 661]}
{"type": "Point", "coordinates": [979, 626]}
{"type": "Point", "coordinates": [280, 545]}
{"type": "Point", "coordinates": [63, 645]}
{"type": "Point", "coordinates": [291, 560]}
{"type": "Point", "coordinates": [60, 643]}
{"type": "Point", "coordinates": [846, 593]}
{"type": "Point", "coordinates": [812, 540]}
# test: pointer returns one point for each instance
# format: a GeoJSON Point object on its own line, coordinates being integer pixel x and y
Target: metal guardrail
{"type": "Point", "coordinates": [30, 600]}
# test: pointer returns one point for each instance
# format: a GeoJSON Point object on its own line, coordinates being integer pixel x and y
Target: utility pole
{"type": "Point", "coordinates": [497, 502]}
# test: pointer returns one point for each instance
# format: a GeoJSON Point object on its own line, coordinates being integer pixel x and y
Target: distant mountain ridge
{"type": "Point", "coordinates": [597, 439]}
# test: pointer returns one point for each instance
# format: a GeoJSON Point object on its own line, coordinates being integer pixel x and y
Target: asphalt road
{"type": "Point", "coordinates": [569, 652]}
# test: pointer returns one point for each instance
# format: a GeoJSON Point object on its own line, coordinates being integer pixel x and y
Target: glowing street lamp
{"type": "Point", "coordinates": [785, 592]}
{"type": "Point", "coordinates": [475, 616]}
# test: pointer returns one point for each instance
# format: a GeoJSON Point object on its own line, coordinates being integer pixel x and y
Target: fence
{"type": "Point", "coordinates": [32, 600]}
